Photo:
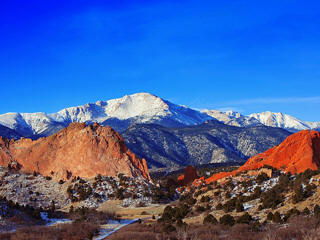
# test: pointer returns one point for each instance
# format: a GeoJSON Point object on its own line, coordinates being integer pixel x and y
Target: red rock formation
{"type": "Point", "coordinates": [190, 174]}
{"type": "Point", "coordinates": [299, 152]}
{"type": "Point", "coordinates": [76, 150]}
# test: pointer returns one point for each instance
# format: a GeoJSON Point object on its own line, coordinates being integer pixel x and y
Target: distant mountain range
{"type": "Point", "coordinates": [138, 108]}
{"type": "Point", "coordinates": [267, 118]}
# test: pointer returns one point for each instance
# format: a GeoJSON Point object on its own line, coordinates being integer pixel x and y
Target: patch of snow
{"type": "Point", "coordinates": [112, 229]}
{"type": "Point", "coordinates": [247, 206]}
{"type": "Point", "coordinates": [53, 221]}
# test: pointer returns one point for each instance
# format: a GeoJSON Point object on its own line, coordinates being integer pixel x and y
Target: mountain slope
{"type": "Point", "coordinates": [211, 142]}
{"type": "Point", "coordinates": [8, 133]}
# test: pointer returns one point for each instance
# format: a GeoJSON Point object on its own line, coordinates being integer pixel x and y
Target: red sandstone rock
{"type": "Point", "coordinates": [299, 152]}
{"type": "Point", "coordinates": [79, 150]}
{"type": "Point", "coordinates": [190, 174]}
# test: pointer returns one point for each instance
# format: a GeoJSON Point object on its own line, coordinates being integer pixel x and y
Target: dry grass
{"type": "Point", "coordinates": [131, 212]}
{"type": "Point", "coordinates": [74, 231]}
{"type": "Point", "coordinates": [299, 228]}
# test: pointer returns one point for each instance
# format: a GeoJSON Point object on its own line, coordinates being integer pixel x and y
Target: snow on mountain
{"type": "Point", "coordinates": [267, 118]}
{"type": "Point", "coordinates": [119, 113]}
{"type": "Point", "coordinates": [285, 121]}
{"type": "Point", "coordinates": [140, 108]}
{"type": "Point", "coordinates": [29, 124]}
{"type": "Point", "coordinates": [123, 112]}
{"type": "Point", "coordinates": [232, 118]}
{"type": "Point", "coordinates": [16, 121]}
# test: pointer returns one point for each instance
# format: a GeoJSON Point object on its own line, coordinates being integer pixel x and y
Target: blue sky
{"type": "Point", "coordinates": [250, 56]}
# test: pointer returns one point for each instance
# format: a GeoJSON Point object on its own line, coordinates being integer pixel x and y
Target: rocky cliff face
{"type": "Point", "coordinates": [297, 153]}
{"type": "Point", "coordinates": [75, 151]}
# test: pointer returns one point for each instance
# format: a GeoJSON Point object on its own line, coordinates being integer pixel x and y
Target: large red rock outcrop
{"type": "Point", "coordinates": [190, 174]}
{"type": "Point", "coordinates": [75, 151]}
{"type": "Point", "coordinates": [297, 153]}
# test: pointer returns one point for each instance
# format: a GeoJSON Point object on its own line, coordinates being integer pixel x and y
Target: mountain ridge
{"type": "Point", "coordinates": [139, 108]}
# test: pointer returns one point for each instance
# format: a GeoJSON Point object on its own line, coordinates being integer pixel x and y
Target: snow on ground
{"type": "Point", "coordinates": [112, 227]}
{"type": "Point", "coordinates": [53, 221]}
{"type": "Point", "coordinates": [247, 206]}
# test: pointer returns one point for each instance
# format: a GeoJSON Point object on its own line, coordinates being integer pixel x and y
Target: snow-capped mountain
{"type": "Point", "coordinates": [140, 108]}
{"type": "Point", "coordinates": [123, 112]}
{"type": "Point", "coordinates": [267, 118]}
{"type": "Point", "coordinates": [119, 113]}
{"type": "Point", "coordinates": [232, 118]}
{"type": "Point", "coordinates": [285, 121]}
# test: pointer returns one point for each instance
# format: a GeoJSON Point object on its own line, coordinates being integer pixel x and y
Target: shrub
{"type": "Point", "coordinates": [306, 211]}
{"type": "Point", "coordinates": [270, 216]}
{"type": "Point", "coordinates": [191, 201]}
{"type": "Point", "coordinates": [290, 213]}
{"type": "Point", "coordinates": [227, 219]}
{"type": "Point", "coordinates": [219, 206]}
{"type": "Point", "coordinates": [239, 207]}
{"type": "Point", "coordinates": [205, 199]}
{"type": "Point", "coordinates": [230, 205]}
{"type": "Point", "coordinates": [245, 218]}
{"type": "Point", "coordinates": [276, 217]}
{"type": "Point", "coordinates": [168, 228]}
{"type": "Point", "coordinates": [271, 198]}
{"type": "Point", "coordinates": [262, 177]}
{"type": "Point", "coordinates": [316, 211]}
{"type": "Point", "coordinates": [209, 219]}
{"type": "Point", "coordinates": [200, 208]}
{"type": "Point", "coordinates": [167, 214]}
{"type": "Point", "coordinates": [71, 209]}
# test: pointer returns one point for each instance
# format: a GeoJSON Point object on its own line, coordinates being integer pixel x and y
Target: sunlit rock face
{"type": "Point", "coordinates": [77, 150]}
